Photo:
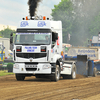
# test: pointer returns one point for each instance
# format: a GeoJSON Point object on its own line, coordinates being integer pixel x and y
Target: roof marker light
{"type": "Point", "coordinates": [47, 18]}
{"type": "Point", "coordinates": [23, 18]}
{"type": "Point", "coordinates": [26, 18]}
{"type": "Point", "coordinates": [44, 17]}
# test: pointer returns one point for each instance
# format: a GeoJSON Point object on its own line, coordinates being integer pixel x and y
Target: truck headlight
{"type": "Point", "coordinates": [18, 49]}
{"type": "Point", "coordinates": [16, 66]}
{"type": "Point", "coordinates": [46, 66]}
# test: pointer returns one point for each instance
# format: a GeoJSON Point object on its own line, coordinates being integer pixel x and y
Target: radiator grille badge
{"type": "Point", "coordinates": [31, 59]}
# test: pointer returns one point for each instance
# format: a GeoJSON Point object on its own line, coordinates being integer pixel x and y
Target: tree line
{"type": "Point", "coordinates": [5, 33]}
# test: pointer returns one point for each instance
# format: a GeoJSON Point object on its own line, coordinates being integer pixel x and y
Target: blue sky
{"type": "Point", "coordinates": [12, 11]}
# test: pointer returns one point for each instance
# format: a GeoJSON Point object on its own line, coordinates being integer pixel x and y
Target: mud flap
{"type": "Point", "coordinates": [82, 65]}
{"type": "Point", "coordinates": [82, 58]}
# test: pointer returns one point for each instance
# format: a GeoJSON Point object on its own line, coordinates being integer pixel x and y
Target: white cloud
{"type": "Point", "coordinates": [45, 11]}
{"type": "Point", "coordinates": [5, 26]}
{"type": "Point", "coordinates": [50, 3]}
{"type": "Point", "coordinates": [45, 7]}
{"type": "Point", "coordinates": [12, 11]}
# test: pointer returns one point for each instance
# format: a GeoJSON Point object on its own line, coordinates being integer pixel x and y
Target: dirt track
{"type": "Point", "coordinates": [81, 88]}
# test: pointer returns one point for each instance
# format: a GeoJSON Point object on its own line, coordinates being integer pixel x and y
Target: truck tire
{"type": "Point", "coordinates": [20, 77]}
{"type": "Point", "coordinates": [73, 73]}
{"type": "Point", "coordinates": [95, 72]}
{"type": "Point", "coordinates": [56, 75]}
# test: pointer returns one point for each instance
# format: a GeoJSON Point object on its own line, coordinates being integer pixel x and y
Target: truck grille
{"type": "Point", "coordinates": [31, 67]}
{"type": "Point", "coordinates": [31, 55]}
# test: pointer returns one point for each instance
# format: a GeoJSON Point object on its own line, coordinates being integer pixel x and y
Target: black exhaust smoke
{"type": "Point", "coordinates": [32, 6]}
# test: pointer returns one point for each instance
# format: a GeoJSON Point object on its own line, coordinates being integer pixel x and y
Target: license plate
{"type": "Point", "coordinates": [30, 66]}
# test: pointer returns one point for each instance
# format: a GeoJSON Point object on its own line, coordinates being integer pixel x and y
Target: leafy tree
{"type": "Point", "coordinates": [94, 28]}
{"type": "Point", "coordinates": [6, 32]}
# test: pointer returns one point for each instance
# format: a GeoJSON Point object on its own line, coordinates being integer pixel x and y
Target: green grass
{"type": "Point", "coordinates": [5, 72]}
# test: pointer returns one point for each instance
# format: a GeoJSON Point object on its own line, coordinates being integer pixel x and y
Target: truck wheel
{"type": "Point", "coordinates": [20, 77]}
{"type": "Point", "coordinates": [73, 74]}
{"type": "Point", "coordinates": [56, 75]}
{"type": "Point", "coordinates": [95, 72]}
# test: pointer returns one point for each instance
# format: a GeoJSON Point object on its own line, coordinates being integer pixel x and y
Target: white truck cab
{"type": "Point", "coordinates": [37, 49]}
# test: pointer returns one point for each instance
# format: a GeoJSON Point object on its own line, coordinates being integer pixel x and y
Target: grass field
{"type": "Point", "coordinates": [5, 72]}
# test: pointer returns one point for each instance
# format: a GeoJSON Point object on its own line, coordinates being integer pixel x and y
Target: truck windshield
{"type": "Point", "coordinates": [33, 38]}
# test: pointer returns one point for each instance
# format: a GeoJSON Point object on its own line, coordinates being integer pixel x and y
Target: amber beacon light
{"type": "Point", "coordinates": [44, 17]}
{"type": "Point", "coordinates": [26, 18]}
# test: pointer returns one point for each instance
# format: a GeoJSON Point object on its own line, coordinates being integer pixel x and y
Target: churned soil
{"type": "Point", "coordinates": [82, 88]}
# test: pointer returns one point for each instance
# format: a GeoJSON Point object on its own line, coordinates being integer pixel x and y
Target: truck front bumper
{"type": "Point", "coordinates": [40, 68]}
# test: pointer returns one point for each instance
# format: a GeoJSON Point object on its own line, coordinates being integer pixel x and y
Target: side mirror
{"type": "Point", "coordinates": [54, 36]}
{"type": "Point", "coordinates": [11, 38]}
